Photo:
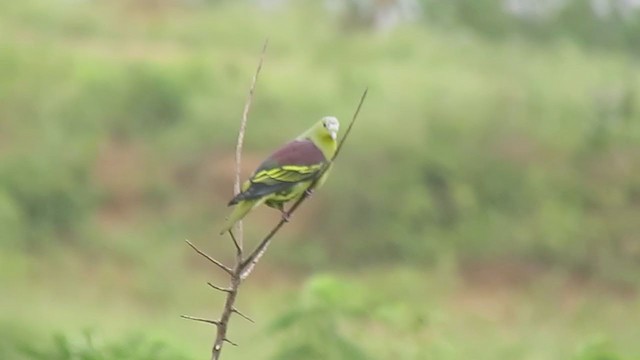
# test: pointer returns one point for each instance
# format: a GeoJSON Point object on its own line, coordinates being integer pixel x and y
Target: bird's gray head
{"type": "Point", "coordinates": [332, 125]}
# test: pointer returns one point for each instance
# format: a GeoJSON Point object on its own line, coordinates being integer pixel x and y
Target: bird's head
{"type": "Point", "coordinates": [331, 126]}
{"type": "Point", "coordinates": [324, 131]}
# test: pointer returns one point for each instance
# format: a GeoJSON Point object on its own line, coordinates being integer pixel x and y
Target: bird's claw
{"type": "Point", "coordinates": [286, 216]}
{"type": "Point", "coordinates": [308, 192]}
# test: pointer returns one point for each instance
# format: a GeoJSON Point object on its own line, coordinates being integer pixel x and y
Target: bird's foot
{"type": "Point", "coordinates": [286, 216]}
{"type": "Point", "coordinates": [308, 192]}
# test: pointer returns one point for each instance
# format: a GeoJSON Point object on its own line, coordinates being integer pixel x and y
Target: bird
{"type": "Point", "coordinates": [289, 172]}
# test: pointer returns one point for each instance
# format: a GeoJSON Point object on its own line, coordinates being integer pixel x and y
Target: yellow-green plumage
{"type": "Point", "coordinates": [288, 172]}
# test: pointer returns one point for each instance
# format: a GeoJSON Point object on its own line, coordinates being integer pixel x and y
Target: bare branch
{"type": "Point", "coordinates": [214, 261]}
{"type": "Point", "coordinates": [208, 321]}
{"type": "Point", "coordinates": [219, 288]}
{"type": "Point", "coordinates": [243, 315]}
{"type": "Point", "coordinates": [243, 129]}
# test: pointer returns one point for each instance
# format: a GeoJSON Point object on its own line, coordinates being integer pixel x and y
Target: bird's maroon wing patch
{"type": "Point", "coordinates": [297, 152]}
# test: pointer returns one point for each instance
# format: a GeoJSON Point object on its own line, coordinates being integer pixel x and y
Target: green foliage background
{"type": "Point", "coordinates": [486, 204]}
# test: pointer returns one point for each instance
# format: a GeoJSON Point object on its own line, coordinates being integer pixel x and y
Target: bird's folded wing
{"type": "Point", "coordinates": [286, 174]}
{"type": "Point", "coordinates": [270, 181]}
{"type": "Point", "coordinates": [295, 162]}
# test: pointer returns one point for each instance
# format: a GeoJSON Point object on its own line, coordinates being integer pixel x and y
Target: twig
{"type": "Point", "coordinates": [214, 261]}
{"type": "Point", "coordinates": [241, 132]}
{"type": "Point", "coordinates": [353, 121]}
{"type": "Point", "coordinates": [250, 262]}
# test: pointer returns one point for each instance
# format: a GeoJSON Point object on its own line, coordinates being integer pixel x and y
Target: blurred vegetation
{"type": "Point", "coordinates": [86, 348]}
{"type": "Point", "coordinates": [313, 321]}
{"type": "Point", "coordinates": [594, 24]}
{"type": "Point", "coordinates": [487, 138]}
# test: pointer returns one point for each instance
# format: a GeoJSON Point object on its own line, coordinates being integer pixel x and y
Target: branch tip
{"type": "Point", "coordinates": [353, 120]}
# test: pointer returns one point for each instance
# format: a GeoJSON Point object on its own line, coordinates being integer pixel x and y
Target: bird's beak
{"type": "Point", "coordinates": [334, 135]}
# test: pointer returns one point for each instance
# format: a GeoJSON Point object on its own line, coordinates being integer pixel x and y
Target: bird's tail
{"type": "Point", "coordinates": [239, 211]}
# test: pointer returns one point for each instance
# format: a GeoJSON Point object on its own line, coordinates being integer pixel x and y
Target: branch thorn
{"type": "Point", "coordinates": [208, 321]}
{"type": "Point", "coordinates": [243, 315]}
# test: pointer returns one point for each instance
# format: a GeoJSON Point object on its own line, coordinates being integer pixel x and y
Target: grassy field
{"type": "Point", "coordinates": [505, 310]}
{"type": "Point", "coordinates": [484, 207]}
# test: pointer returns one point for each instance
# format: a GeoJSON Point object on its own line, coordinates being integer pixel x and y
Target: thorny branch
{"type": "Point", "coordinates": [243, 267]}
{"type": "Point", "coordinates": [237, 239]}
